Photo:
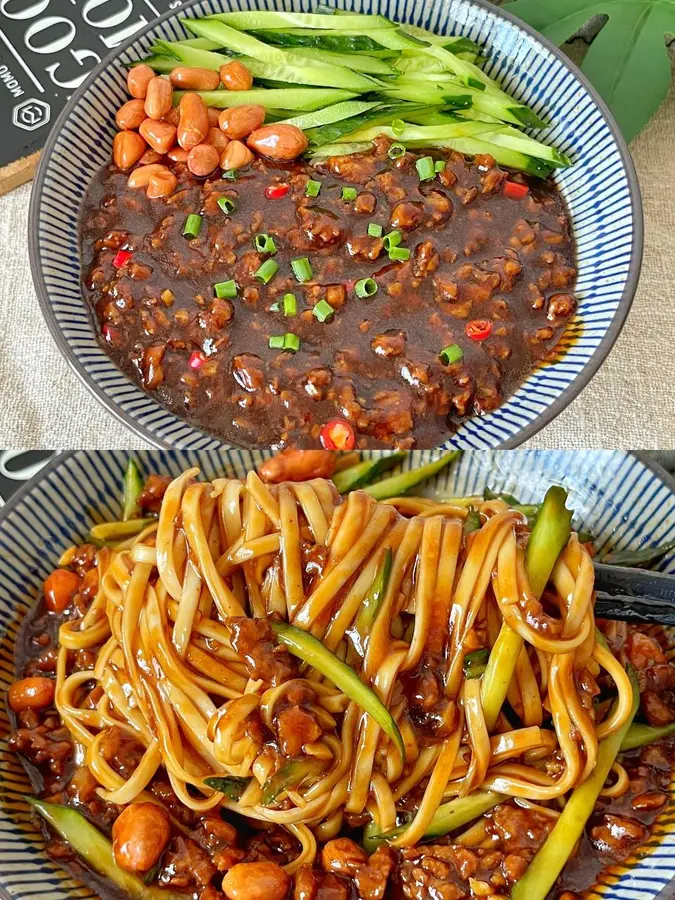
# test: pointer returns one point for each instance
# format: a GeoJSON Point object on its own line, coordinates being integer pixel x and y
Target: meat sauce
{"type": "Point", "coordinates": [204, 849]}
{"type": "Point", "coordinates": [476, 255]}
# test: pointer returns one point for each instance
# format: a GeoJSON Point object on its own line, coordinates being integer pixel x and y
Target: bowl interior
{"type": "Point", "coordinates": [600, 190]}
{"type": "Point", "coordinates": [615, 495]}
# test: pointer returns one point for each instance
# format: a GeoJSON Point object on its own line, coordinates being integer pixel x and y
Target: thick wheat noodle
{"type": "Point", "coordinates": [167, 673]}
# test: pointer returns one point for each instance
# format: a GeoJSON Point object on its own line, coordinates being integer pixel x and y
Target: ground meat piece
{"type": "Point", "coordinates": [425, 260]}
{"type": "Point", "coordinates": [213, 833]}
{"type": "Point", "coordinates": [365, 203]}
{"type": "Point", "coordinates": [389, 343]}
{"type": "Point", "coordinates": [361, 246]}
{"type": "Point", "coordinates": [153, 492]}
{"type": "Point", "coordinates": [185, 865]}
{"type": "Point", "coordinates": [514, 867]}
{"type": "Point", "coordinates": [343, 856]}
{"type": "Point", "coordinates": [371, 879]}
{"type": "Point", "coordinates": [248, 370]}
{"type": "Point", "coordinates": [426, 872]}
{"type": "Point", "coordinates": [393, 413]}
{"type": "Point", "coordinates": [164, 792]}
{"type": "Point", "coordinates": [296, 726]}
{"type": "Point", "coordinates": [407, 215]}
{"type": "Point", "coordinates": [616, 836]}
{"type": "Point", "coordinates": [561, 306]}
{"type": "Point", "coordinates": [440, 206]}
{"type": "Point", "coordinates": [48, 744]}
{"type": "Point", "coordinates": [313, 885]}
{"type": "Point", "coordinates": [321, 228]}
{"type": "Point", "coordinates": [655, 709]}
{"type": "Point", "coordinates": [152, 370]}
{"type": "Point", "coordinates": [518, 829]}
{"type": "Point", "coordinates": [316, 381]}
{"type": "Point", "coordinates": [651, 666]}
{"type": "Point", "coordinates": [356, 168]}
{"type": "Point", "coordinates": [254, 640]}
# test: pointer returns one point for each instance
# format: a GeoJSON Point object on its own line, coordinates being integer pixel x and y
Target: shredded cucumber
{"type": "Point", "coordinates": [428, 134]}
{"type": "Point", "coordinates": [250, 21]}
{"type": "Point", "coordinates": [368, 65]}
{"type": "Point", "coordinates": [332, 132]}
{"type": "Point", "coordinates": [295, 99]}
{"type": "Point", "coordinates": [330, 114]}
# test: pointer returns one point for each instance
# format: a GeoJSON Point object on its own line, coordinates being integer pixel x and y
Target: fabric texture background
{"type": "Point", "coordinates": [630, 403]}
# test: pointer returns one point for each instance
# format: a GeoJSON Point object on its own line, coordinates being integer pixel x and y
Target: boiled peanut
{"type": "Point", "coordinates": [236, 156]}
{"type": "Point", "coordinates": [162, 184]}
{"type": "Point", "coordinates": [280, 142]}
{"type": "Point", "coordinates": [194, 121]}
{"type": "Point", "coordinates": [138, 80]}
{"type": "Point", "coordinates": [130, 115]}
{"type": "Point", "coordinates": [256, 881]}
{"type": "Point", "coordinates": [178, 155]}
{"type": "Point", "coordinates": [128, 147]}
{"type": "Point", "coordinates": [160, 135]}
{"type": "Point", "coordinates": [158, 100]}
{"type": "Point", "coordinates": [298, 465]}
{"type": "Point", "coordinates": [203, 159]}
{"type": "Point", "coordinates": [238, 122]}
{"type": "Point", "coordinates": [213, 114]}
{"type": "Point", "coordinates": [188, 79]}
{"type": "Point", "coordinates": [217, 139]}
{"type": "Point", "coordinates": [60, 588]}
{"type": "Point", "coordinates": [140, 177]}
{"type": "Point", "coordinates": [140, 833]}
{"type": "Point", "coordinates": [172, 117]}
{"type": "Point", "coordinates": [31, 693]}
{"type": "Point", "coordinates": [150, 157]}
{"type": "Point", "coordinates": [235, 76]}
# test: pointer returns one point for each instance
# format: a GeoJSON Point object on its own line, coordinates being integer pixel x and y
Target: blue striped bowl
{"type": "Point", "coordinates": [618, 496]}
{"type": "Point", "coordinates": [601, 191]}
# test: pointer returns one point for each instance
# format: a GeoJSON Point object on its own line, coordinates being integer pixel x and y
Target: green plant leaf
{"type": "Point", "coordinates": [628, 60]}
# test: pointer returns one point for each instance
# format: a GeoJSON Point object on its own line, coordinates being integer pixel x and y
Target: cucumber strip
{"type": "Point", "coordinates": [163, 65]}
{"type": "Point", "coordinates": [273, 63]}
{"type": "Point", "coordinates": [249, 21]}
{"type": "Point", "coordinates": [345, 42]}
{"type": "Point", "coordinates": [638, 735]}
{"type": "Point", "coordinates": [511, 139]}
{"type": "Point", "coordinates": [230, 785]}
{"type": "Point", "coordinates": [429, 134]}
{"type": "Point", "coordinates": [341, 149]}
{"type": "Point", "coordinates": [511, 159]}
{"type": "Point", "coordinates": [453, 44]}
{"type": "Point", "coordinates": [196, 43]}
{"type": "Point", "coordinates": [418, 63]}
{"type": "Point", "coordinates": [449, 93]}
{"type": "Point", "coordinates": [357, 62]}
{"type": "Point", "coordinates": [300, 99]}
{"type": "Point", "coordinates": [195, 57]}
{"type": "Point", "coordinates": [365, 471]}
{"type": "Point", "coordinates": [96, 850]}
{"type": "Point", "coordinates": [330, 114]}
{"type": "Point", "coordinates": [329, 134]}
{"type": "Point", "coordinates": [133, 488]}
{"type": "Point", "coordinates": [406, 481]}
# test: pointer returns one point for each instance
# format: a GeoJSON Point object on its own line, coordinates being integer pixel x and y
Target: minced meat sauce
{"type": "Point", "coordinates": [203, 848]}
{"type": "Point", "coordinates": [478, 256]}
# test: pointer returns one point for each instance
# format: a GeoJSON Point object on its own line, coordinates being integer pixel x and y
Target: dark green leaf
{"type": "Point", "coordinates": [638, 558]}
{"type": "Point", "coordinates": [229, 785]}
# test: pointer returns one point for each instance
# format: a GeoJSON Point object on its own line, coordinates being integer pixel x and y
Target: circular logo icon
{"type": "Point", "coordinates": [31, 114]}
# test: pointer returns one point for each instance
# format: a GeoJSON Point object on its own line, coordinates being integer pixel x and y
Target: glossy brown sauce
{"type": "Point", "coordinates": [476, 254]}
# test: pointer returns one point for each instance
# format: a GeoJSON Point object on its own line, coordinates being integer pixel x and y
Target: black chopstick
{"type": "Point", "coordinates": [634, 595]}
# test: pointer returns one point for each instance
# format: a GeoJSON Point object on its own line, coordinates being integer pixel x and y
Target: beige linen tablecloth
{"type": "Point", "coordinates": [629, 404]}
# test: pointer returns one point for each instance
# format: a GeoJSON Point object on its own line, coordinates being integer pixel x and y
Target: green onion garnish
{"type": "Point", "coordinates": [276, 342]}
{"type": "Point", "coordinates": [374, 230]}
{"type": "Point", "coordinates": [231, 174]}
{"type": "Point", "coordinates": [398, 127]}
{"type": "Point", "coordinates": [396, 151]}
{"type": "Point", "coordinates": [193, 225]}
{"type": "Point", "coordinates": [312, 188]}
{"type": "Point", "coordinates": [349, 193]}
{"type": "Point", "coordinates": [226, 289]}
{"type": "Point", "coordinates": [391, 240]}
{"type": "Point", "coordinates": [264, 243]}
{"type": "Point", "coordinates": [275, 307]}
{"type": "Point", "coordinates": [366, 287]}
{"type": "Point", "coordinates": [227, 205]}
{"type": "Point", "coordinates": [451, 354]}
{"type": "Point", "coordinates": [439, 165]}
{"type": "Point", "coordinates": [323, 310]}
{"type": "Point", "coordinates": [425, 168]}
{"type": "Point", "coordinates": [290, 305]}
{"type": "Point", "coordinates": [302, 269]}
{"type": "Point", "coordinates": [399, 254]}
{"type": "Point", "coordinates": [291, 342]}
{"type": "Point", "coordinates": [267, 271]}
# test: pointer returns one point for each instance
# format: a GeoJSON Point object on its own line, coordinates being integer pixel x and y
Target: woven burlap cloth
{"type": "Point", "coordinates": [630, 403]}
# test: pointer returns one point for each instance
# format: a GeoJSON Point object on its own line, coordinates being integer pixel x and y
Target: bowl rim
{"type": "Point", "coordinates": [570, 393]}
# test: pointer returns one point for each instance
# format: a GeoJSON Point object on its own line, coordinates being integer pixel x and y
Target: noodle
{"type": "Point", "coordinates": [172, 670]}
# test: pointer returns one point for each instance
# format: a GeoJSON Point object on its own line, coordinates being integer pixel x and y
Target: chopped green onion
{"type": "Point", "coordinates": [399, 254]}
{"type": "Point", "coordinates": [276, 342]}
{"type": "Point", "coordinates": [291, 342]}
{"type": "Point", "coordinates": [439, 165]}
{"type": "Point", "coordinates": [193, 225]}
{"type": "Point", "coordinates": [226, 289]}
{"type": "Point", "coordinates": [393, 239]}
{"type": "Point", "coordinates": [398, 127]}
{"type": "Point", "coordinates": [425, 168]}
{"type": "Point", "coordinates": [290, 305]}
{"type": "Point", "coordinates": [312, 188]}
{"type": "Point", "coordinates": [451, 354]}
{"type": "Point", "coordinates": [374, 230]}
{"type": "Point", "coordinates": [267, 271]}
{"type": "Point", "coordinates": [264, 243]}
{"type": "Point", "coordinates": [349, 193]}
{"type": "Point", "coordinates": [366, 287]}
{"type": "Point", "coordinates": [232, 786]}
{"type": "Point", "coordinates": [231, 174]}
{"type": "Point", "coordinates": [275, 307]}
{"type": "Point", "coordinates": [292, 775]}
{"type": "Point", "coordinates": [396, 151]}
{"type": "Point", "coordinates": [302, 269]}
{"type": "Point", "coordinates": [323, 310]}
{"type": "Point", "coordinates": [227, 205]}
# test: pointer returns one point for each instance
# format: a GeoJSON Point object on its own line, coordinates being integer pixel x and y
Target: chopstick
{"type": "Point", "coordinates": [634, 595]}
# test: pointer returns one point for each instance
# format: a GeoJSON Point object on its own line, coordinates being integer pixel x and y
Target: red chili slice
{"type": "Point", "coordinates": [478, 329]}
{"type": "Point", "coordinates": [515, 190]}
{"type": "Point", "coordinates": [338, 435]}
{"type": "Point", "coordinates": [122, 257]}
{"type": "Point", "coordinates": [196, 360]}
{"type": "Point", "coordinates": [276, 191]}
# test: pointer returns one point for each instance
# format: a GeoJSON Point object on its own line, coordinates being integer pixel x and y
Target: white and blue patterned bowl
{"type": "Point", "coordinates": [620, 497]}
{"type": "Point", "coordinates": [601, 191]}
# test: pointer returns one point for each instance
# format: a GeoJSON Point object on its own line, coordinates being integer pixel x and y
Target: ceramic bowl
{"type": "Point", "coordinates": [601, 191]}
